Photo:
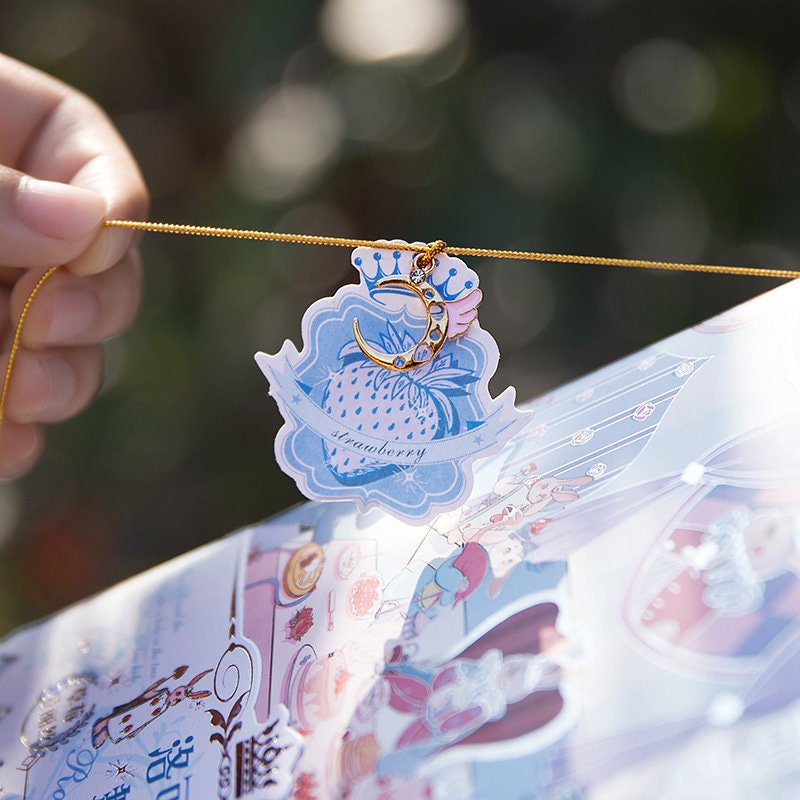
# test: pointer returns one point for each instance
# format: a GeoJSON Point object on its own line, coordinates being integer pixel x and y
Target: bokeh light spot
{"type": "Point", "coordinates": [369, 31]}
{"type": "Point", "coordinates": [526, 136]}
{"type": "Point", "coordinates": [374, 101]}
{"type": "Point", "coordinates": [665, 86]}
{"type": "Point", "coordinates": [50, 31]}
{"type": "Point", "coordinates": [287, 142]}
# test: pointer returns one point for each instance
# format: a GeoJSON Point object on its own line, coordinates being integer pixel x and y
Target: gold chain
{"type": "Point", "coordinates": [12, 356]}
{"type": "Point", "coordinates": [436, 247]}
{"type": "Point", "coordinates": [428, 253]}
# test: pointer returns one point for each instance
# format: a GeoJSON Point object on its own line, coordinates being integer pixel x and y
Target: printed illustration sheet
{"type": "Point", "coordinates": [614, 613]}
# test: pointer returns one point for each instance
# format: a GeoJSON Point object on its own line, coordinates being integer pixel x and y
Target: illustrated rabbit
{"type": "Point", "coordinates": [127, 720]}
{"type": "Point", "coordinates": [515, 500]}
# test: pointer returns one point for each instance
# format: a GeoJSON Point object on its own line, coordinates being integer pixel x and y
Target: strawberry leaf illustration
{"type": "Point", "coordinates": [351, 352]}
{"type": "Point", "coordinates": [447, 412]}
{"type": "Point", "coordinates": [381, 375]}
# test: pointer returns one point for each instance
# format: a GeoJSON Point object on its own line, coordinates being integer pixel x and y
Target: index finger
{"type": "Point", "coordinates": [58, 134]}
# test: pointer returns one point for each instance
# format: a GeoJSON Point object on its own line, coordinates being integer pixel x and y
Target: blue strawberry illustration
{"type": "Point", "coordinates": [404, 407]}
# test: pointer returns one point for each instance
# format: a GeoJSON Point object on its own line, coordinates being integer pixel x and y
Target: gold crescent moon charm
{"type": "Point", "coordinates": [435, 331]}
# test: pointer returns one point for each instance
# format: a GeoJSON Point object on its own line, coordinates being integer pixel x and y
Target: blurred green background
{"type": "Point", "coordinates": [605, 127]}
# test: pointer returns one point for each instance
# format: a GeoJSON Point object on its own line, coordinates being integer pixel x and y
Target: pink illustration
{"type": "Point", "coordinates": [364, 597]}
{"type": "Point", "coordinates": [515, 501]}
{"type": "Point", "coordinates": [462, 313]}
{"type": "Point", "coordinates": [349, 558]}
{"type": "Point", "coordinates": [318, 690]}
{"type": "Point", "coordinates": [503, 686]}
{"type": "Point", "coordinates": [315, 688]}
{"type": "Point", "coordinates": [721, 589]}
{"type": "Point", "coordinates": [305, 787]}
{"type": "Point", "coordinates": [299, 625]}
{"type": "Point", "coordinates": [507, 521]}
{"type": "Point", "coordinates": [446, 585]}
{"type": "Point", "coordinates": [395, 787]}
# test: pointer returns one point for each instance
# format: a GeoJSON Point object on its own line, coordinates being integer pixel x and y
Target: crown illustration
{"type": "Point", "coordinates": [450, 276]}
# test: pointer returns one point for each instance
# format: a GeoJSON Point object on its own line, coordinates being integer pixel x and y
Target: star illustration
{"type": "Point", "coordinates": [118, 769]}
{"type": "Point", "coordinates": [409, 476]}
{"type": "Point", "coordinates": [115, 680]}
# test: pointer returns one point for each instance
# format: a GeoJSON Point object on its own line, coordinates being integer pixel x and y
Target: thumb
{"type": "Point", "coordinates": [45, 222]}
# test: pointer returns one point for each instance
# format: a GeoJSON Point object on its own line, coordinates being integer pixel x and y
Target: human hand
{"type": "Point", "coordinates": [64, 169]}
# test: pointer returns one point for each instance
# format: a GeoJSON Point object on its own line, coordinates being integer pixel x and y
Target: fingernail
{"type": "Point", "coordinates": [58, 210]}
{"type": "Point", "coordinates": [18, 444]}
{"type": "Point", "coordinates": [75, 310]}
{"type": "Point", "coordinates": [62, 382]}
{"type": "Point", "coordinates": [108, 248]}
